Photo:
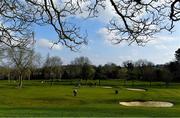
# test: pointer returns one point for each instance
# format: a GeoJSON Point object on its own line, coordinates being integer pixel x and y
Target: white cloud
{"type": "Point", "coordinates": [158, 50]}
{"type": "Point", "coordinates": [103, 15]}
{"type": "Point", "coordinates": [103, 32]}
{"type": "Point", "coordinates": [47, 44]}
{"type": "Point", "coordinates": [42, 1]}
{"type": "Point", "coordinates": [108, 13]}
{"type": "Point", "coordinates": [166, 43]}
{"type": "Point", "coordinates": [161, 47]}
{"type": "Point", "coordinates": [162, 39]}
{"type": "Point", "coordinates": [108, 36]}
{"type": "Point", "coordinates": [159, 41]}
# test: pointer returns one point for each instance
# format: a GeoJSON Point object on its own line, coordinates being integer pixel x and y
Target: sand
{"type": "Point", "coordinates": [135, 89]}
{"type": "Point", "coordinates": [108, 87]}
{"type": "Point", "coordinates": [147, 104]}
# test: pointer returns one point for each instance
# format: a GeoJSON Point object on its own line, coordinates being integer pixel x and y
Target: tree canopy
{"type": "Point", "coordinates": [177, 55]}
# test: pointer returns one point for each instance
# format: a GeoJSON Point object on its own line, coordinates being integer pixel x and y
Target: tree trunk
{"type": "Point", "coordinates": [9, 79]}
{"type": "Point", "coordinates": [99, 82]}
{"type": "Point", "coordinates": [60, 77]}
{"type": "Point", "coordinates": [86, 81]}
{"type": "Point", "coordinates": [167, 84]}
{"type": "Point", "coordinates": [52, 81]}
{"type": "Point", "coordinates": [79, 82]}
{"type": "Point", "coordinates": [20, 81]}
{"type": "Point", "coordinates": [132, 83]}
{"type": "Point", "coordinates": [29, 76]}
{"type": "Point", "coordinates": [150, 83]}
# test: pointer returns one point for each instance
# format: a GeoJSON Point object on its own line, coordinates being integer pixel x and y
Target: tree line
{"type": "Point", "coordinates": [19, 64]}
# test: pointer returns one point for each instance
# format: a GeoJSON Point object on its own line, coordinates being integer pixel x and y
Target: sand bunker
{"type": "Point", "coordinates": [135, 89]}
{"type": "Point", "coordinates": [107, 87]}
{"type": "Point", "coordinates": [147, 104]}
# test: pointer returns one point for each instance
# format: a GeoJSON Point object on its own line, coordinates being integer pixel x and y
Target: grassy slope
{"type": "Point", "coordinates": [37, 99]}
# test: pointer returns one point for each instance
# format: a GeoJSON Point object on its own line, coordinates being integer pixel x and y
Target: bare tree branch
{"type": "Point", "coordinates": [135, 21]}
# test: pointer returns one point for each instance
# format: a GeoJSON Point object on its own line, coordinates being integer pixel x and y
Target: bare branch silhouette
{"type": "Point", "coordinates": [135, 21]}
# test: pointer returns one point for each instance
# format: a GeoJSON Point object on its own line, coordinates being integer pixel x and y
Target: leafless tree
{"type": "Point", "coordinates": [80, 61]}
{"type": "Point", "coordinates": [135, 21]}
{"type": "Point", "coordinates": [142, 62]}
{"type": "Point", "coordinates": [53, 67]}
{"type": "Point", "coordinates": [21, 60]}
{"type": "Point", "coordinates": [83, 68]}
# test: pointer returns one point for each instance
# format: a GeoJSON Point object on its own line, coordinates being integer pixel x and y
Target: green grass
{"type": "Point", "coordinates": [37, 99]}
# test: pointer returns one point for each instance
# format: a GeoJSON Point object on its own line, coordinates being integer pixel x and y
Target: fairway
{"type": "Point", "coordinates": [37, 99]}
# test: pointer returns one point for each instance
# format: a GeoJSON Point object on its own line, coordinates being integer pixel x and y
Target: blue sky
{"type": "Point", "coordinates": [101, 51]}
